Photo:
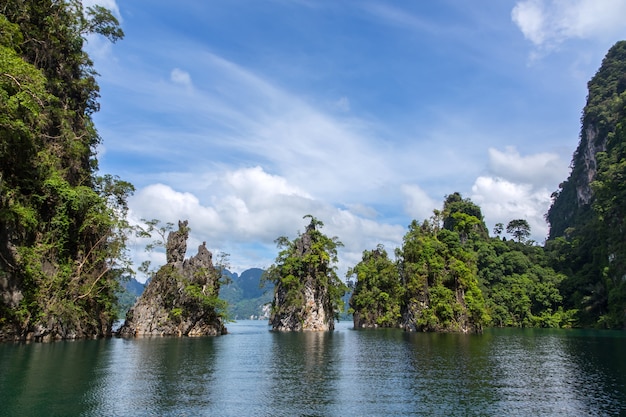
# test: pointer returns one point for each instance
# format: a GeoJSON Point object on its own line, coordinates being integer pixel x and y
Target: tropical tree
{"type": "Point", "coordinates": [519, 228]}
{"type": "Point", "coordinates": [438, 270]}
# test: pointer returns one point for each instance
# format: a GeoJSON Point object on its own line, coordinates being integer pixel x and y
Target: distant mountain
{"type": "Point", "coordinates": [246, 299]}
{"type": "Point", "coordinates": [127, 296]}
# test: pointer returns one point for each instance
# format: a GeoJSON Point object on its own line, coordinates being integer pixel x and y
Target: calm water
{"type": "Point", "coordinates": [254, 372]}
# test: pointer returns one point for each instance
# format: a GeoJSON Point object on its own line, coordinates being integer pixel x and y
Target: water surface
{"type": "Point", "coordinates": [255, 372]}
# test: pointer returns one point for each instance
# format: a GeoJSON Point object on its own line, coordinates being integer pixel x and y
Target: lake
{"type": "Point", "coordinates": [255, 372]}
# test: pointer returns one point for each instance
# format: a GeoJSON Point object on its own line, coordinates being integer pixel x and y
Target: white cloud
{"type": "Point", "coordinates": [181, 77]}
{"type": "Point", "coordinates": [540, 170]}
{"type": "Point", "coordinates": [529, 16]}
{"type": "Point", "coordinates": [547, 23]}
{"type": "Point", "coordinates": [502, 201]}
{"type": "Point", "coordinates": [251, 207]}
{"type": "Point", "coordinates": [418, 204]}
{"type": "Point", "coordinates": [519, 187]}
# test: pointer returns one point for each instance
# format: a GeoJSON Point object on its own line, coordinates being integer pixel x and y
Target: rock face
{"type": "Point", "coordinates": [301, 298]}
{"type": "Point", "coordinates": [417, 317]}
{"type": "Point", "coordinates": [312, 316]}
{"type": "Point", "coordinates": [181, 298]}
{"type": "Point", "coordinates": [571, 204]}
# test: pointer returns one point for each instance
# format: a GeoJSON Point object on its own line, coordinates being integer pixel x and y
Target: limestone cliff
{"type": "Point", "coordinates": [307, 290]}
{"type": "Point", "coordinates": [572, 202]}
{"type": "Point", "coordinates": [181, 298]}
{"type": "Point", "coordinates": [587, 216]}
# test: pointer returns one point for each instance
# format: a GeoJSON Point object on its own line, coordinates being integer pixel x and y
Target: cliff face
{"type": "Point", "coordinates": [307, 292]}
{"type": "Point", "coordinates": [312, 313]}
{"type": "Point", "coordinates": [588, 210]}
{"type": "Point", "coordinates": [419, 312]}
{"type": "Point", "coordinates": [181, 298]}
{"type": "Point", "coordinates": [571, 203]}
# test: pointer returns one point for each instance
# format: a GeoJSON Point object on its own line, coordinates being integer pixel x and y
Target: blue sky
{"type": "Point", "coordinates": [244, 116]}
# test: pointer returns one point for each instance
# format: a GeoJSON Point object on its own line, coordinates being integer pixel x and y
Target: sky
{"type": "Point", "coordinates": [243, 116]}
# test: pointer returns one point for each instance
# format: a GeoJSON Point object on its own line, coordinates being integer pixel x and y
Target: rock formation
{"type": "Point", "coordinates": [571, 204]}
{"type": "Point", "coordinates": [181, 298]}
{"type": "Point", "coordinates": [305, 283]}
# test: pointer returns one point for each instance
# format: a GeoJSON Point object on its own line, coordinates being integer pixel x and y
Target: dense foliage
{"type": "Point", "coordinates": [377, 296]}
{"type": "Point", "coordinates": [438, 270]}
{"type": "Point", "coordinates": [587, 216]}
{"type": "Point", "coordinates": [62, 234]}
{"type": "Point", "coordinates": [451, 276]}
{"type": "Point", "coordinates": [306, 267]}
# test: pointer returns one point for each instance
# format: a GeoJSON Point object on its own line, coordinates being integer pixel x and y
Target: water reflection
{"type": "Point", "coordinates": [450, 373]}
{"type": "Point", "coordinates": [347, 372]}
{"type": "Point", "coordinates": [47, 379]}
{"type": "Point", "coordinates": [548, 372]}
{"type": "Point", "coordinates": [156, 376]}
{"type": "Point", "coordinates": [304, 372]}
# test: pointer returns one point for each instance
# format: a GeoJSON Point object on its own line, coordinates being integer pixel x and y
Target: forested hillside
{"type": "Point", "coordinates": [449, 275]}
{"type": "Point", "coordinates": [588, 214]}
{"type": "Point", "coordinates": [61, 225]}
{"type": "Point", "coordinates": [246, 299]}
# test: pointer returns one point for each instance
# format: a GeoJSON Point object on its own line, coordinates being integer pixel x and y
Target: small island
{"type": "Point", "coordinates": [181, 299]}
{"type": "Point", "coordinates": [307, 290]}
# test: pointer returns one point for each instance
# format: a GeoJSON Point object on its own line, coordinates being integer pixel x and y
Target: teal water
{"type": "Point", "coordinates": [255, 372]}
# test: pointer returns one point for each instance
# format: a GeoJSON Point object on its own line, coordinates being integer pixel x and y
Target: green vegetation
{"type": "Point", "coordinates": [451, 276]}
{"type": "Point", "coordinates": [245, 297]}
{"type": "Point", "coordinates": [63, 230]}
{"type": "Point", "coordinates": [305, 267]}
{"type": "Point", "coordinates": [453, 273]}
{"type": "Point", "coordinates": [62, 227]}
{"type": "Point", "coordinates": [438, 269]}
{"type": "Point", "coordinates": [378, 293]}
{"type": "Point", "coordinates": [587, 219]}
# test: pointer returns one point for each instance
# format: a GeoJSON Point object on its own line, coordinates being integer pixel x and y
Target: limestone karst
{"type": "Point", "coordinates": [182, 297]}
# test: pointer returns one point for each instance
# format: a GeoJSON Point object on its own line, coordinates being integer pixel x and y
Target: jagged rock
{"type": "Point", "coordinates": [305, 305]}
{"type": "Point", "coordinates": [180, 299]}
{"type": "Point", "coordinates": [176, 245]}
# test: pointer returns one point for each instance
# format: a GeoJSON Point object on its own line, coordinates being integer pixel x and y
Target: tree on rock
{"type": "Point", "coordinates": [377, 297]}
{"type": "Point", "coordinates": [519, 228]}
{"type": "Point", "coordinates": [439, 272]}
{"type": "Point", "coordinates": [62, 226]}
{"type": "Point", "coordinates": [307, 290]}
{"type": "Point", "coordinates": [182, 297]}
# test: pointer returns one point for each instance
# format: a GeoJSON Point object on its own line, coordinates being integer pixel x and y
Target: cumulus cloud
{"type": "Point", "coordinates": [502, 201]}
{"type": "Point", "coordinates": [519, 187]}
{"type": "Point", "coordinates": [541, 169]}
{"type": "Point", "coordinates": [547, 23]}
{"type": "Point", "coordinates": [251, 207]}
